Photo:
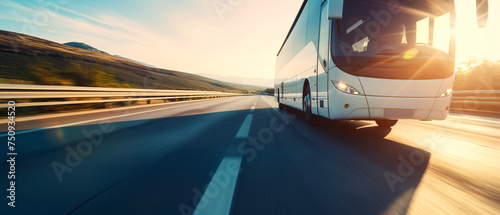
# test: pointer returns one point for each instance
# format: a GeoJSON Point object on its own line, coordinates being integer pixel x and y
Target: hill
{"type": "Point", "coordinates": [84, 46]}
{"type": "Point", "coordinates": [135, 61]}
{"type": "Point", "coordinates": [26, 59]}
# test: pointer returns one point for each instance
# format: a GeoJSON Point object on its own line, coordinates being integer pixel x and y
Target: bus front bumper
{"type": "Point", "coordinates": [401, 108]}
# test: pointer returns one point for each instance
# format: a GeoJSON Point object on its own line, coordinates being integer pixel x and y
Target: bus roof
{"type": "Point", "coordinates": [293, 25]}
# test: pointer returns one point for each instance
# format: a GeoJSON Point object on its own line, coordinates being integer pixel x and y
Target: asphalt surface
{"type": "Point", "coordinates": [242, 155]}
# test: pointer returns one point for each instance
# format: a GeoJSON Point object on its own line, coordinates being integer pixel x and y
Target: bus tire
{"type": "Point", "coordinates": [386, 123]}
{"type": "Point", "coordinates": [307, 106]}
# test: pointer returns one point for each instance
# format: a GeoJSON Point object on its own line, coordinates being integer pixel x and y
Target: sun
{"type": "Point", "coordinates": [472, 41]}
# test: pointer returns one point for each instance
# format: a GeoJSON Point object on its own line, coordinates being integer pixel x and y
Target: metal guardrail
{"type": "Point", "coordinates": [476, 101]}
{"type": "Point", "coordinates": [69, 95]}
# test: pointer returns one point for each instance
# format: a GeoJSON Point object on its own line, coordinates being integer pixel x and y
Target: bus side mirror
{"type": "Point", "coordinates": [482, 13]}
{"type": "Point", "coordinates": [335, 9]}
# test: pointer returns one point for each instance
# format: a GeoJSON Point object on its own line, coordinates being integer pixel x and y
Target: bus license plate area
{"type": "Point", "coordinates": [399, 113]}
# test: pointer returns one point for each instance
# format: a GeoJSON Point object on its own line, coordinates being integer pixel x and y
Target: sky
{"type": "Point", "coordinates": [475, 42]}
{"type": "Point", "coordinates": [241, 39]}
{"type": "Point", "coordinates": [218, 37]}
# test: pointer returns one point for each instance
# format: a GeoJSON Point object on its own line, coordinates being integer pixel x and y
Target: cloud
{"type": "Point", "coordinates": [16, 6]}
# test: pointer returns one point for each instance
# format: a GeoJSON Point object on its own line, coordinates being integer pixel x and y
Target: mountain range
{"type": "Point", "coordinates": [259, 82]}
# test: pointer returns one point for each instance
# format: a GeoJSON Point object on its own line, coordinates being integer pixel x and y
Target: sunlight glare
{"type": "Point", "coordinates": [472, 41]}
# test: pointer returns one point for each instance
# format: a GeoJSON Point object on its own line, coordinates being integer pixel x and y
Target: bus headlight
{"type": "Point", "coordinates": [346, 88]}
{"type": "Point", "coordinates": [447, 92]}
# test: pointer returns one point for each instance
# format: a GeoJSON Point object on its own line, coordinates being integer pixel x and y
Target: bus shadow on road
{"type": "Point", "coordinates": [360, 127]}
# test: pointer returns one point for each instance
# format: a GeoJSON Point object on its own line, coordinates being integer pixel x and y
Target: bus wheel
{"type": "Point", "coordinates": [385, 123]}
{"type": "Point", "coordinates": [306, 106]}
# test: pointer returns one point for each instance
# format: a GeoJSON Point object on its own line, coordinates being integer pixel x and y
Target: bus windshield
{"type": "Point", "coordinates": [396, 39]}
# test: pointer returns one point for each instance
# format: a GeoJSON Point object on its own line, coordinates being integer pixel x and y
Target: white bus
{"type": "Point", "coordinates": [379, 60]}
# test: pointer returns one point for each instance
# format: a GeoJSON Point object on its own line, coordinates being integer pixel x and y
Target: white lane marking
{"type": "Point", "coordinates": [92, 120]}
{"type": "Point", "coordinates": [252, 109]}
{"type": "Point", "coordinates": [218, 197]}
{"type": "Point", "coordinates": [245, 127]}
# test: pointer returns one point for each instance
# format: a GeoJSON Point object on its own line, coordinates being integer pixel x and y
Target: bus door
{"type": "Point", "coordinates": [282, 91]}
{"type": "Point", "coordinates": [323, 61]}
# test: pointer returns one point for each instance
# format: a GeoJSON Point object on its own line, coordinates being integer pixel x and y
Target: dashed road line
{"type": "Point", "coordinates": [245, 127]}
{"type": "Point", "coordinates": [218, 196]}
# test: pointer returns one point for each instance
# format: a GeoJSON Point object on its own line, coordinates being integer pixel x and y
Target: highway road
{"type": "Point", "coordinates": [242, 155]}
